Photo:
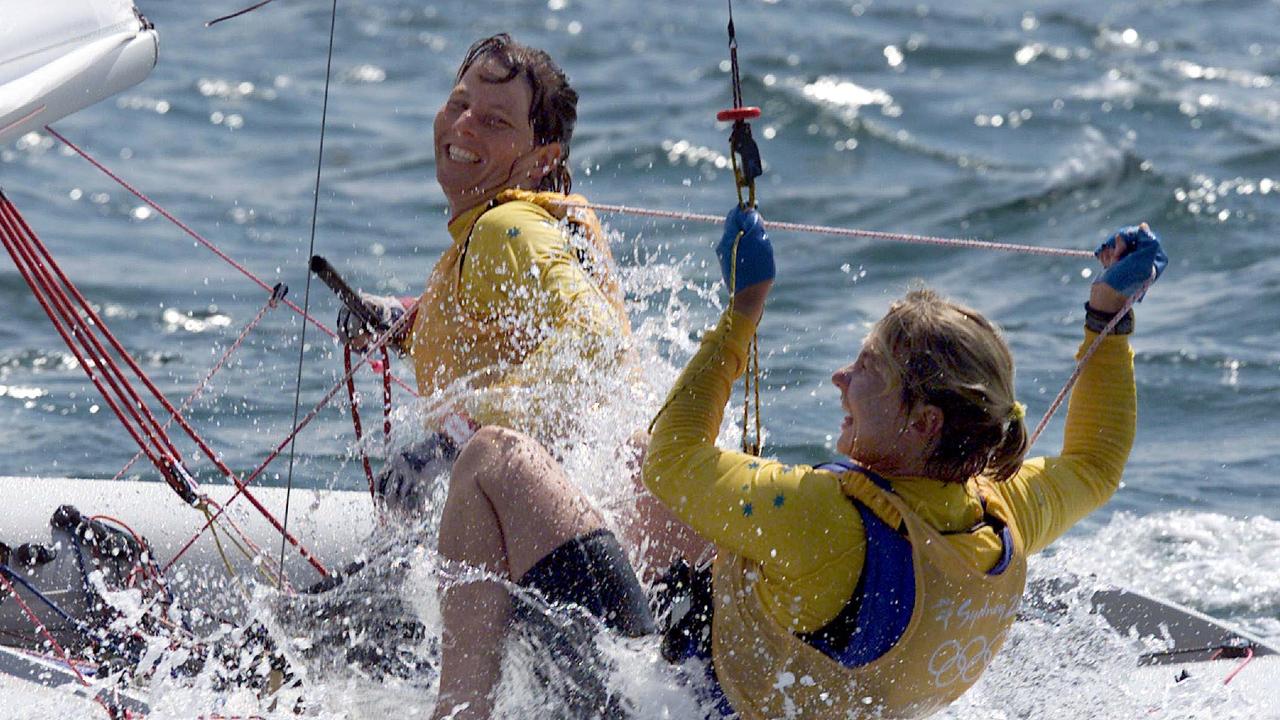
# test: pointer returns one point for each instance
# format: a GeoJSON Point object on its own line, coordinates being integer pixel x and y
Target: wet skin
{"type": "Point", "coordinates": [484, 140]}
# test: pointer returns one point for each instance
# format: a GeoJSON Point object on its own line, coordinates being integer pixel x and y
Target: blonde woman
{"type": "Point", "coordinates": [880, 586]}
{"type": "Point", "coordinates": [883, 585]}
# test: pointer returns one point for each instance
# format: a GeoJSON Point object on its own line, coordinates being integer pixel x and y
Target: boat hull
{"type": "Point", "coordinates": [334, 525]}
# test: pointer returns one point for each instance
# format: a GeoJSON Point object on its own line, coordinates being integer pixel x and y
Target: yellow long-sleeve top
{"type": "Point", "coordinates": [515, 303]}
{"type": "Point", "coordinates": [807, 535]}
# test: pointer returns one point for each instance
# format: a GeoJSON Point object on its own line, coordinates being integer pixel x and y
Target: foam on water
{"type": "Point", "coordinates": [1074, 665]}
{"type": "Point", "coordinates": [370, 648]}
{"type": "Point", "coordinates": [1069, 665]}
{"type": "Point", "coordinates": [1226, 567]}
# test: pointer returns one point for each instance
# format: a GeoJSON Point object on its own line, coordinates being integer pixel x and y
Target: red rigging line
{"type": "Point", "coordinates": [377, 345]}
{"type": "Point", "coordinates": [55, 294]}
{"type": "Point", "coordinates": [271, 303]}
{"type": "Point", "coordinates": [22, 244]}
{"type": "Point", "coordinates": [1248, 658]}
{"type": "Point", "coordinates": [353, 400]}
{"type": "Point", "coordinates": [89, 353]}
{"type": "Point", "coordinates": [355, 420]}
{"type": "Point", "coordinates": [202, 240]}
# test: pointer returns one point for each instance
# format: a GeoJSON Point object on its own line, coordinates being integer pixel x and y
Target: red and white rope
{"type": "Point", "coordinates": [201, 239]}
{"type": "Point", "coordinates": [837, 231]}
{"type": "Point", "coordinates": [1088, 353]}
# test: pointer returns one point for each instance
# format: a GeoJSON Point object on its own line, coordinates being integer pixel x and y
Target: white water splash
{"type": "Point", "coordinates": [369, 649]}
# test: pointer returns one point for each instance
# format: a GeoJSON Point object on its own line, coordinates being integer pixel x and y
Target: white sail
{"type": "Point", "coordinates": [60, 56]}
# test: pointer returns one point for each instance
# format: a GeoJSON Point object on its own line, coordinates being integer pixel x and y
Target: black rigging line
{"type": "Point", "coordinates": [237, 13]}
{"type": "Point", "coordinates": [306, 293]}
{"type": "Point", "coordinates": [733, 59]}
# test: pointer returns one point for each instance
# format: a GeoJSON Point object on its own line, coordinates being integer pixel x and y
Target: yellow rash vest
{"type": "Point", "coordinates": [525, 295]}
{"type": "Point", "coordinates": [791, 544]}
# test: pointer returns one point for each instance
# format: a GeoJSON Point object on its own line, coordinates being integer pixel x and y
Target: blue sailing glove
{"type": "Point", "coordinates": [1141, 255]}
{"type": "Point", "coordinates": [755, 252]}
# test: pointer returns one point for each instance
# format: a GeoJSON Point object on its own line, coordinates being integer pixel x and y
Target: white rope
{"type": "Point", "coordinates": [841, 232]}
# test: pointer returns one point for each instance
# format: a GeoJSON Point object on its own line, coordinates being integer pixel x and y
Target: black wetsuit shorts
{"type": "Point", "coordinates": [592, 573]}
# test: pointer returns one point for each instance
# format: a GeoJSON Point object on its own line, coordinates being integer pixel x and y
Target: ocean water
{"type": "Point", "coordinates": [1047, 123]}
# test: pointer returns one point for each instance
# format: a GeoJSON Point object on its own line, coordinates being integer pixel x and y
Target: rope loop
{"type": "Point", "coordinates": [383, 367]}
{"type": "Point", "coordinates": [747, 166]}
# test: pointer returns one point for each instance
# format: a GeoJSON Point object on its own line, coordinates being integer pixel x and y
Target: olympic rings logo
{"type": "Point", "coordinates": [952, 662]}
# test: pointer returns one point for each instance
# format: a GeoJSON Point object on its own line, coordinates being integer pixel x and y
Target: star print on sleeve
{"type": "Point", "coordinates": [778, 500]}
{"type": "Point", "coordinates": [747, 509]}
{"type": "Point", "coordinates": [513, 232]}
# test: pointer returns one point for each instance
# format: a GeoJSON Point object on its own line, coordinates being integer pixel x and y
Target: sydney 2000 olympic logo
{"type": "Point", "coordinates": [953, 662]}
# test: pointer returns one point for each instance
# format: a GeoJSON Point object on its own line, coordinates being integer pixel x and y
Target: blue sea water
{"type": "Point", "coordinates": [1048, 123]}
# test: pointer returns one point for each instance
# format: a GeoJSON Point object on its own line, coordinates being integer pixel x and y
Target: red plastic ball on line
{"type": "Point", "coordinates": [738, 113]}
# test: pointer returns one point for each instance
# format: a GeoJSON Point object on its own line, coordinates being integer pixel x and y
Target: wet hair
{"type": "Point", "coordinates": [951, 357]}
{"type": "Point", "coordinates": [553, 110]}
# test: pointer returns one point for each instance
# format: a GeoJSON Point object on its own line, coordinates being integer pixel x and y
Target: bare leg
{"type": "Point", "coordinates": [654, 532]}
{"type": "Point", "coordinates": [509, 505]}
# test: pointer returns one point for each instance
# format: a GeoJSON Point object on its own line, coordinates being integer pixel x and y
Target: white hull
{"type": "Point", "coordinates": [332, 525]}
{"type": "Point", "coordinates": [335, 525]}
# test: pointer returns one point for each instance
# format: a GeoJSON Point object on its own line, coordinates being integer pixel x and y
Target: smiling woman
{"type": "Point", "coordinates": [525, 280]}
{"type": "Point", "coordinates": [846, 581]}
{"type": "Point", "coordinates": [507, 124]}
{"type": "Point", "coordinates": [523, 304]}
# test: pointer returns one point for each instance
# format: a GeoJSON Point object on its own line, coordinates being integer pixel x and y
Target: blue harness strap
{"type": "Point", "coordinates": [1006, 538]}
{"type": "Point", "coordinates": [879, 611]}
